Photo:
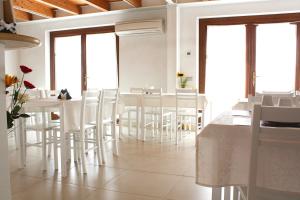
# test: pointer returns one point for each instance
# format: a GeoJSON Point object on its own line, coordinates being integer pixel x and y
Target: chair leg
{"type": "Point", "coordinates": [137, 123]}
{"type": "Point", "coordinates": [161, 128]}
{"type": "Point", "coordinates": [82, 151]}
{"type": "Point", "coordinates": [44, 151]}
{"type": "Point", "coordinates": [50, 143]}
{"type": "Point", "coordinates": [114, 137]}
{"type": "Point", "coordinates": [98, 147]}
{"type": "Point", "coordinates": [176, 130]}
{"type": "Point", "coordinates": [102, 143]}
{"type": "Point", "coordinates": [120, 127]}
{"type": "Point", "coordinates": [55, 149]}
{"type": "Point", "coordinates": [153, 125]}
{"type": "Point", "coordinates": [75, 148]}
{"type": "Point", "coordinates": [129, 123]}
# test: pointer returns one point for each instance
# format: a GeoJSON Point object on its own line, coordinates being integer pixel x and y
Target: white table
{"type": "Point", "coordinates": [168, 101]}
{"type": "Point", "coordinates": [223, 152]}
{"type": "Point", "coordinates": [69, 119]}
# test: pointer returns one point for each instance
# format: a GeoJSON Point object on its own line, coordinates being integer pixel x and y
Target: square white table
{"type": "Point", "coordinates": [223, 152]}
{"type": "Point", "coordinates": [69, 119]}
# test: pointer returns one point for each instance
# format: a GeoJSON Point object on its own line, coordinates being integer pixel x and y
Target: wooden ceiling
{"type": "Point", "coordinates": [26, 10]}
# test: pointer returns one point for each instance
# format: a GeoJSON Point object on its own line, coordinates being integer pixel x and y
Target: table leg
{"type": "Point", "coordinates": [235, 193]}
{"type": "Point", "coordinates": [143, 122]}
{"type": "Point", "coordinates": [63, 142]}
{"type": "Point", "coordinates": [216, 194]}
{"type": "Point", "coordinates": [137, 122]}
{"type": "Point", "coordinates": [227, 193]}
{"type": "Point", "coordinates": [44, 142]}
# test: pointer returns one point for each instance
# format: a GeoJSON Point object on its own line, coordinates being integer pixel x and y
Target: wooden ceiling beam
{"type": "Point", "coordinates": [101, 5]}
{"type": "Point", "coordinates": [64, 5]}
{"type": "Point", "coordinates": [134, 3]}
{"type": "Point", "coordinates": [22, 16]}
{"type": "Point", "coordinates": [33, 7]}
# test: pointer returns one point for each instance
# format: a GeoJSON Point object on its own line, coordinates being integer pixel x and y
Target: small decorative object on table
{"type": "Point", "coordinates": [7, 27]}
{"type": "Point", "coordinates": [182, 79]}
{"type": "Point", "coordinates": [64, 95]}
{"type": "Point", "coordinates": [18, 95]}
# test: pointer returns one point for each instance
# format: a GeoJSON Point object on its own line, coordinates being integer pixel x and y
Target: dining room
{"type": "Point", "coordinates": [150, 99]}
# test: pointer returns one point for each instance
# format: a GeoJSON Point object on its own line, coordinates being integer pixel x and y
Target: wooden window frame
{"type": "Point", "coordinates": [79, 32]}
{"type": "Point", "coordinates": [250, 22]}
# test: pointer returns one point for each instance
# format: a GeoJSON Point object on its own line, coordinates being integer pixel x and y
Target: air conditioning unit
{"type": "Point", "coordinates": [139, 27]}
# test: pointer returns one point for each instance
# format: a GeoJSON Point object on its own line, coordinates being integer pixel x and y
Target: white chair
{"type": "Point", "coordinates": [41, 125]}
{"type": "Point", "coordinates": [286, 102]}
{"type": "Point", "coordinates": [107, 118]}
{"type": "Point", "coordinates": [88, 113]}
{"type": "Point", "coordinates": [187, 107]}
{"type": "Point", "coordinates": [262, 135]}
{"type": "Point", "coordinates": [154, 114]}
{"type": "Point", "coordinates": [275, 96]}
{"type": "Point", "coordinates": [130, 111]}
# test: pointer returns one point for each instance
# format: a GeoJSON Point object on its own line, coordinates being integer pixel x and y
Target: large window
{"type": "Point", "coordinates": [84, 59]}
{"type": "Point", "coordinates": [225, 74]}
{"type": "Point", "coordinates": [275, 57]}
{"type": "Point", "coordinates": [271, 54]}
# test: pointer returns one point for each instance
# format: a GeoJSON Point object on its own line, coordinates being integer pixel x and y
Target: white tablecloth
{"type": "Point", "coordinates": [71, 110]}
{"type": "Point", "coordinates": [223, 151]}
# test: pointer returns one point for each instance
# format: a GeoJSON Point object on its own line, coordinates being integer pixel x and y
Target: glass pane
{"type": "Point", "coordinates": [68, 64]}
{"type": "Point", "coordinates": [225, 69]}
{"type": "Point", "coordinates": [101, 61]}
{"type": "Point", "coordinates": [276, 61]}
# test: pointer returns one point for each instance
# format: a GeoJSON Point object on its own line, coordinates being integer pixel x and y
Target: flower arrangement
{"type": "Point", "coordinates": [18, 95]}
{"type": "Point", "coordinates": [182, 79]}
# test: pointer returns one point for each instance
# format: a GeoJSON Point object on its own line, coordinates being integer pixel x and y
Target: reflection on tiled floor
{"type": "Point", "coordinates": [143, 171]}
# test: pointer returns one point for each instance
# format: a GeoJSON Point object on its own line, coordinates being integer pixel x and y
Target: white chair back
{"type": "Point", "coordinates": [90, 101]}
{"type": "Point", "coordinates": [187, 96]}
{"type": "Point", "coordinates": [286, 102]}
{"type": "Point", "coordinates": [136, 90]}
{"type": "Point", "coordinates": [52, 93]}
{"type": "Point", "coordinates": [108, 104]}
{"type": "Point", "coordinates": [35, 94]}
{"type": "Point", "coordinates": [152, 98]}
{"type": "Point", "coordinates": [275, 96]}
{"type": "Point", "coordinates": [285, 116]}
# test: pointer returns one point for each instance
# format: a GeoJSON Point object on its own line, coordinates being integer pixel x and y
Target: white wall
{"type": "Point", "coordinates": [181, 37]}
{"type": "Point", "coordinates": [190, 13]}
{"type": "Point", "coordinates": [145, 56]}
{"type": "Point", "coordinates": [12, 63]}
{"type": "Point", "coordinates": [143, 64]}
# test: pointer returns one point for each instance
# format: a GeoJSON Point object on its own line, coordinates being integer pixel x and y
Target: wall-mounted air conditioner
{"type": "Point", "coordinates": [139, 27]}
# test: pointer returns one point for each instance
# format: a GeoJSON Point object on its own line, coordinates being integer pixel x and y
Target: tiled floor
{"type": "Point", "coordinates": [143, 171]}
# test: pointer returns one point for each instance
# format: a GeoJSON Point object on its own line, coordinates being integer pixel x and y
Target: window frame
{"type": "Point", "coordinates": [83, 33]}
{"type": "Point", "coordinates": [250, 22]}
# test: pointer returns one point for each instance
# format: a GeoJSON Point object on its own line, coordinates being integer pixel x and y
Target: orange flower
{"type": "Point", "coordinates": [10, 80]}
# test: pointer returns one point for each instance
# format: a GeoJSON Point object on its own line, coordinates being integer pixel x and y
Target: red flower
{"type": "Point", "coordinates": [25, 69]}
{"type": "Point", "coordinates": [28, 85]}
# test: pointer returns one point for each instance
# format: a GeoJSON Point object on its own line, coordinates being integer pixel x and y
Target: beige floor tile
{"type": "Point", "coordinates": [21, 183]}
{"type": "Point", "coordinates": [141, 183]}
{"type": "Point", "coordinates": [166, 166]}
{"type": "Point", "coordinates": [187, 189]}
{"type": "Point", "coordinates": [47, 190]}
{"type": "Point", "coordinates": [112, 195]}
{"type": "Point", "coordinates": [143, 171]}
{"type": "Point", "coordinates": [96, 176]}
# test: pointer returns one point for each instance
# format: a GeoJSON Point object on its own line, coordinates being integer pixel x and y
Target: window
{"type": "Point", "coordinates": [272, 61]}
{"type": "Point", "coordinates": [84, 59]}
{"type": "Point", "coordinates": [225, 74]}
{"type": "Point", "coordinates": [275, 57]}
